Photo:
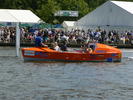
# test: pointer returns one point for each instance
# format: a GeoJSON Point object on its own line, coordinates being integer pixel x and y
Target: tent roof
{"type": "Point", "coordinates": [12, 15]}
{"type": "Point", "coordinates": [128, 6]}
{"type": "Point", "coordinates": [69, 23]}
{"type": "Point", "coordinates": [111, 13]}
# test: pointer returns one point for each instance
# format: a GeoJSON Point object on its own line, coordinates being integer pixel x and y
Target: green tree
{"type": "Point", "coordinates": [46, 12]}
{"type": "Point", "coordinates": [45, 9]}
{"type": "Point", "coordinates": [82, 7]}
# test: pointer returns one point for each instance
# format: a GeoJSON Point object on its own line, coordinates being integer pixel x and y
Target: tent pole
{"type": "Point", "coordinates": [17, 39]}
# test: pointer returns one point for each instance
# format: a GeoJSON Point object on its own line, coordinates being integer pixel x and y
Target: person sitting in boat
{"type": "Point", "coordinates": [56, 47]}
{"type": "Point", "coordinates": [39, 41]}
{"type": "Point", "coordinates": [89, 50]}
{"type": "Point", "coordinates": [92, 45]}
{"type": "Point", "coordinates": [63, 46]}
{"type": "Point", "coordinates": [86, 48]}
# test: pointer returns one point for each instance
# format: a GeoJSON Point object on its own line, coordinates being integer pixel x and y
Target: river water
{"type": "Point", "coordinates": [21, 80]}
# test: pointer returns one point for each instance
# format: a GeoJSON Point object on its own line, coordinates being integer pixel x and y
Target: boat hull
{"type": "Point", "coordinates": [46, 55]}
{"type": "Point", "coordinates": [27, 59]}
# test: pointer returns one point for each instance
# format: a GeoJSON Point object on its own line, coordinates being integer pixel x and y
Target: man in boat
{"type": "Point", "coordinates": [87, 48]}
{"type": "Point", "coordinates": [55, 46]}
{"type": "Point", "coordinates": [92, 44]}
{"type": "Point", "coordinates": [63, 46]}
{"type": "Point", "coordinates": [39, 41]}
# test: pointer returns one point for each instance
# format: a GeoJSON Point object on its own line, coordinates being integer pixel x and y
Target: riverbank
{"type": "Point", "coordinates": [69, 45]}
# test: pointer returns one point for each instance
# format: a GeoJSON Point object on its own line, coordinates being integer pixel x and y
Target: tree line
{"type": "Point", "coordinates": [45, 9]}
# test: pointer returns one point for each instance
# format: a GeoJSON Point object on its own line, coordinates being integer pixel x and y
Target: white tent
{"type": "Point", "coordinates": [23, 16]}
{"type": "Point", "coordinates": [110, 14]}
{"type": "Point", "coordinates": [68, 25]}
{"type": "Point", "coordinates": [18, 16]}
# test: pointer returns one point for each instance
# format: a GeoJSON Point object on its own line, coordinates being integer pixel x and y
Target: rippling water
{"type": "Point", "coordinates": [65, 81]}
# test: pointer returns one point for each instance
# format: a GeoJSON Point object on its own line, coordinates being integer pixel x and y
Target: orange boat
{"type": "Point", "coordinates": [100, 53]}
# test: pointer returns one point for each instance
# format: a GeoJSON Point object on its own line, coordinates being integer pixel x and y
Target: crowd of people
{"type": "Point", "coordinates": [28, 35]}
{"type": "Point", "coordinates": [7, 34]}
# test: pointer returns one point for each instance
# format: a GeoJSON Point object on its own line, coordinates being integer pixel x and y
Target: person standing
{"type": "Point", "coordinates": [39, 41]}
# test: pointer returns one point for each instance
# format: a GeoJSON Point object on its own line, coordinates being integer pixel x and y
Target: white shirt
{"type": "Point", "coordinates": [57, 48]}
